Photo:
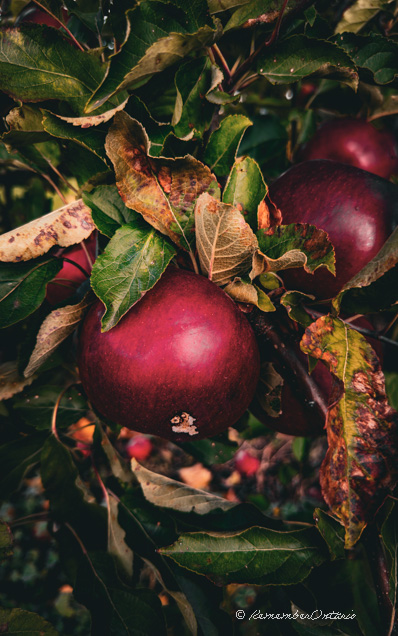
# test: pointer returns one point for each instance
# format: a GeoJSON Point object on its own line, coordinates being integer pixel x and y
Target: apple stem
{"type": "Point", "coordinates": [55, 413]}
{"type": "Point", "coordinates": [295, 372]}
{"type": "Point", "coordinates": [194, 262]}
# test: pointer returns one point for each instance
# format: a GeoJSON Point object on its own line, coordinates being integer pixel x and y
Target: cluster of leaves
{"type": "Point", "coordinates": [140, 117]}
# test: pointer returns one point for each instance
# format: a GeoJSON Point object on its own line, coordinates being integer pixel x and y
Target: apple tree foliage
{"type": "Point", "coordinates": [160, 125]}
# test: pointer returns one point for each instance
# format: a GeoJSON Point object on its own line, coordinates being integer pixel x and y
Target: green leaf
{"type": "Point", "coordinates": [216, 6]}
{"type": "Point", "coordinates": [257, 555]}
{"type": "Point", "coordinates": [36, 406]}
{"type": "Point", "coordinates": [117, 545]}
{"type": "Point", "coordinates": [116, 609]}
{"type": "Point", "coordinates": [192, 112]}
{"type": "Point", "coordinates": [23, 287]}
{"type": "Point", "coordinates": [246, 189]}
{"type": "Point", "coordinates": [134, 260]}
{"type": "Point", "coordinates": [163, 190]}
{"type": "Point", "coordinates": [293, 301]}
{"type": "Point", "coordinates": [392, 388]}
{"type": "Point", "coordinates": [260, 12]}
{"type": "Point", "coordinates": [225, 242]}
{"type": "Point", "coordinates": [281, 240]}
{"type": "Point", "coordinates": [224, 142]}
{"type": "Point", "coordinates": [169, 493]}
{"type": "Point", "coordinates": [332, 532]}
{"type": "Point", "coordinates": [25, 126]}
{"type": "Point", "coordinates": [301, 57]}
{"type": "Point", "coordinates": [373, 53]}
{"type": "Point", "coordinates": [210, 451]}
{"type": "Point", "coordinates": [160, 35]}
{"type": "Point", "coordinates": [108, 210]}
{"type": "Point", "coordinates": [18, 621]}
{"type": "Point", "coordinates": [379, 295]}
{"type": "Point", "coordinates": [389, 536]}
{"type": "Point", "coordinates": [16, 458]}
{"type": "Point", "coordinates": [37, 64]}
{"type": "Point", "coordinates": [358, 15]}
{"type": "Point", "coordinates": [92, 139]}
{"type": "Point", "coordinates": [5, 541]}
{"type": "Point", "coordinates": [359, 468]}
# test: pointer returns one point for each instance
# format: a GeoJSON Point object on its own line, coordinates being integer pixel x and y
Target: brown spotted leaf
{"type": "Point", "coordinates": [225, 242]}
{"type": "Point", "coordinates": [69, 225]}
{"type": "Point", "coordinates": [10, 380]}
{"type": "Point", "coordinates": [163, 190]}
{"type": "Point", "coordinates": [360, 465]}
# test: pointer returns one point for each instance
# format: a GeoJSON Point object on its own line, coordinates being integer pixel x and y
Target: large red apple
{"type": "Point", "coordinates": [355, 142]}
{"type": "Point", "coordinates": [183, 363]}
{"type": "Point", "coordinates": [357, 209]}
{"type": "Point", "coordinates": [70, 277]}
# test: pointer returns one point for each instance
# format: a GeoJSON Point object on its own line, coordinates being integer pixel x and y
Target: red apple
{"type": "Point", "coordinates": [70, 277]}
{"type": "Point", "coordinates": [183, 363]}
{"type": "Point", "coordinates": [139, 447]}
{"type": "Point", "coordinates": [246, 464]}
{"type": "Point", "coordinates": [357, 209]}
{"type": "Point", "coordinates": [355, 142]}
{"type": "Point", "coordinates": [34, 15]}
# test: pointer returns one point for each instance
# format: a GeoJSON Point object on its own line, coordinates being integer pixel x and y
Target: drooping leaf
{"type": "Point", "coordinates": [36, 407]}
{"type": "Point", "coordinates": [269, 390]}
{"type": "Point", "coordinates": [66, 226]}
{"type": "Point", "coordinates": [108, 211]}
{"type": "Point", "coordinates": [293, 301]}
{"type": "Point", "coordinates": [266, 142]}
{"type": "Point", "coordinates": [159, 36]}
{"type": "Point", "coordinates": [16, 459]}
{"type": "Point", "coordinates": [25, 126]}
{"type": "Point", "coordinates": [379, 295]}
{"type": "Point", "coordinates": [6, 541]}
{"type": "Point", "coordinates": [23, 287]}
{"type": "Point", "coordinates": [58, 325]}
{"type": "Point", "coordinates": [116, 608]}
{"type": "Point", "coordinates": [314, 245]}
{"type": "Point", "coordinates": [169, 493]}
{"type": "Point", "coordinates": [10, 380]}
{"type": "Point", "coordinates": [301, 57]}
{"type": "Point", "coordinates": [92, 139]}
{"type": "Point", "coordinates": [38, 64]}
{"type": "Point", "coordinates": [223, 145]}
{"type": "Point", "coordinates": [245, 292]}
{"type": "Point", "coordinates": [332, 532]}
{"type": "Point", "coordinates": [192, 112]}
{"type": "Point", "coordinates": [373, 53]}
{"type": "Point", "coordinates": [117, 545]}
{"type": "Point", "coordinates": [164, 191]}
{"type": "Point", "coordinates": [93, 120]}
{"type": "Point", "coordinates": [246, 189]}
{"type": "Point", "coordinates": [358, 15]}
{"type": "Point", "coordinates": [134, 259]}
{"type": "Point", "coordinates": [225, 242]}
{"type": "Point", "coordinates": [360, 465]}
{"type": "Point", "coordinates": [19, 621]}
{"type": "Point", "coordinates": [257, 555]}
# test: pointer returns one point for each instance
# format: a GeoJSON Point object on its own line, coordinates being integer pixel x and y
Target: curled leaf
{"type": "Point", "coordinates": [224, 240]}
{"type": "Point", "coordinates": [10, 380]}
{"type": "Point", "coordinates": [243, 292]}
{"type": "Point", "coordinates": [66, 226]}
{"type": "Point", "coordinates": [163, 190]}
{"type": "Point", "coordinates": [360, 465]}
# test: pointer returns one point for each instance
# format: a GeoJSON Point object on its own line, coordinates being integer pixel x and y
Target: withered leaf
{"type": "Point", "coordinates": [246, 292]}
{"type": "Point", "coordinates": [359, 468]}
{"type": "Point", "coordinates": [93, 120]}
{"type": "Point", "coordinates": [55, 329]}
{"type": "Point", "coordinates": [269, 390]}
{"type": "Point", "coordinates": [69, 225]}
{"type": "Point", "coordinates": [163, 190]}
{"type": "Point", "coordinates": [225, 242]}
{"type": "Point", "coordinates": [10, 380]}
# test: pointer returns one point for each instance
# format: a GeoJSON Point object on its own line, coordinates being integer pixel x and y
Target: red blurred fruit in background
{"type": "Point", "coordinates": [70, 277]}
{"type": "Point", "coordinates": [139, 447]}
{"type": "Point", "coordinates": [245, 463]}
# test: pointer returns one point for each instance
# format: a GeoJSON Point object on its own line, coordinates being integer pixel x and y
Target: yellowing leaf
{"type": "Point", "coordinates": [10, 380]}
{"type": "Point", "coordinates": [244, 292]}
{"type": "Point", "coordinates": [163, 190]}
{"type": "Point", "coordinates": [360, 466]}
{"type": "Point", "coordinates": [225, 242]}
{"type": "Point", "coordinates": [69, 225]}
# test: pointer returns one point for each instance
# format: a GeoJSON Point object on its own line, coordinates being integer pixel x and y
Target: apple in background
{"type": "Point", "coordinates": [357, 143]}
{"type": "Point", "coordinates": [183, 363]}
{"type": "Point", "coordinates": [357, 209]}
{"type": "Point", "coordinates": [34, 15]}
{"type": "Point", "coordinates": [246, 464]}
{"type": "Point", "coordinates": [139, 447]}
{"type": "Point", "coordinates": [300, 415]}
{"type": "Point", "coordinates": [70, 277]}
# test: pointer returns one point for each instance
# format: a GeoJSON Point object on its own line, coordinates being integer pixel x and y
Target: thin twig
{"type": "Point", "coordinates": [223, 61]}
{"type": "Point", "coordinates": [55, 412]}
{"type": "Point", "coordinates": [68, 260]}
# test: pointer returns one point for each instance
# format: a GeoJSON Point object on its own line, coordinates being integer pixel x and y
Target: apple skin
{"type": "Point", "coordinates": [246, 464]}
{"type": "Point", "coordinates": [299, 416]}
{"type": "Point", "coordinates": [357, 209]}
{"type": "Point", "coordinates": [184, 350]}
{"type": "Point", "coordinates": [32, 14]}
{"type": "Point", "coordinates": [357, 143]}
{"type": "Point", "coordinates": [69, 278]}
